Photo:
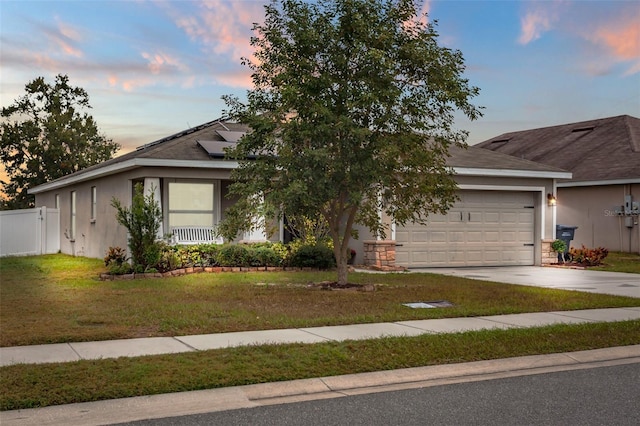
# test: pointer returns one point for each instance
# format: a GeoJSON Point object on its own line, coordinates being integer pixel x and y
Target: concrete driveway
{"type": "Point", "coordinates": [617, 283]}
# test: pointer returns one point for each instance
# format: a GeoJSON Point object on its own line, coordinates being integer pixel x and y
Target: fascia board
{"type": "Point", "coordinates": [128, 165]}
{"type": "Point", "coordinates": [597, 183]}
{"type": "Point", "coordinates": [464, 171]}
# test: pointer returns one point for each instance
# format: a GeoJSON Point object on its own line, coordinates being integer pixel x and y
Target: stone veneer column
{"type": "Point", "coordinates": [548, 255]}
{"type": "Point", "coordinates": [380, 254]}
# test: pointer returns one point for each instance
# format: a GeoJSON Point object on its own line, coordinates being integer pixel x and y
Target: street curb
{"type": "Point", "coordinates": [204, 401]}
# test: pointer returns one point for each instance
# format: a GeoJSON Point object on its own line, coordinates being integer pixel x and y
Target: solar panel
{"type": "Point", "coordinates": [230, 136]}
{"type": "Point", "coordinates": [216, 148]}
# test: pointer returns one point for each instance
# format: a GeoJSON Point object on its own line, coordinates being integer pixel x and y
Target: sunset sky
{"type": "Point", "coordinates": [153, 68]}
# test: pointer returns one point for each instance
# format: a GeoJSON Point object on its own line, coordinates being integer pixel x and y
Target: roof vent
{"type": "Point", "coordinates": [500, 141]}
{"type": "Point", "coordinates": [583, 129]}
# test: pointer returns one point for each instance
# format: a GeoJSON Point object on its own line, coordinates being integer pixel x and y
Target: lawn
{"type": "Point", "coordinates": [621, 262]}
{"type": "Point", "coordinates": [58, 298]}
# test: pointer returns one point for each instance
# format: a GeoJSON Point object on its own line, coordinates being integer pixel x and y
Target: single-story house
{"type": "Point", "coordinates": [602, 198]}
{"type": "Point", "coordinates": [502, 218]}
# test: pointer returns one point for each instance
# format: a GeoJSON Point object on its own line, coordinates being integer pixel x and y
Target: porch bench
{"type": "Point", "coordinates": [194, 235]}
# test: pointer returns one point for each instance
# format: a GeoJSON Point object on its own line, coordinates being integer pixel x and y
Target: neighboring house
{"type": "Point", "coordinates": [502, 218]}
{"type": "Point", "coordinates": [603, 196]}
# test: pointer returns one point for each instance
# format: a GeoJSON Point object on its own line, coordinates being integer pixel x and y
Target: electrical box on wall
{"type": "Point", "coordinates": [628, 222]}
{"type": "Point", "coordinates": [627, 205]}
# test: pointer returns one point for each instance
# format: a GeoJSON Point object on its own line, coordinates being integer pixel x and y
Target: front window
{"type": "Point", "coordinates": [72, 224]}
{"type": "Point", "coordinates": [94, 203]}
{"type": "Point", "coordinates": [192, 204]}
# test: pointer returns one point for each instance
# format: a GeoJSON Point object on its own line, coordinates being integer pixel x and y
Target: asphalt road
{"type": "Point", "coordinates": [596, 396]}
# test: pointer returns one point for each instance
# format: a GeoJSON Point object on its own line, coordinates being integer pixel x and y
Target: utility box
{"type": "Point", "coordinates": [566, 234]}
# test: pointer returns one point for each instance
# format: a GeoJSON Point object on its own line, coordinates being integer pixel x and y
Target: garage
{"type": "Point", "coordinates": [484, 228]}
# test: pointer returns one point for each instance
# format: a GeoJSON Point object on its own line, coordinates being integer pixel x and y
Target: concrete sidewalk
{"type": "Point", "coordinates": [69, 352]}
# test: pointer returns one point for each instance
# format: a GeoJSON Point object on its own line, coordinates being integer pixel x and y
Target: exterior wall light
{"type": "Point", "coordinates": [551, 200]}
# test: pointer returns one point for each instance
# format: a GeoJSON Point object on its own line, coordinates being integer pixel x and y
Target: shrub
{"type": "Point", "coordinates": [588, 256]}
{"type": "Point", "coordinates": [142, 220]}
{"type": "Point", "coordinates": [169, 261]}
{"type": "Point", "coordinates": [266, 256]}
{"type": "Point", "coordinates": [312, 256]}
{"type": "Point", "coordinates": [119, 269]}
{"type": "Point", "coordinates": [234, 255]}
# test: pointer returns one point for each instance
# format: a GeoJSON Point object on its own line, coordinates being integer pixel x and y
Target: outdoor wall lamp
{"type": "Point", "coordinates": [551, 200]}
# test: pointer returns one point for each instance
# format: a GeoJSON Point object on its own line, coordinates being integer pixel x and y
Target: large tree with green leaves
{"type": "Point", "coordinates": [351, 116]}
{"type": "Point", "coordinates": [47, 134]}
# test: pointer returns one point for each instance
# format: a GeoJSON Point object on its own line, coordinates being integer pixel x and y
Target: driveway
{"type": "Point", "coordinates": [617, 283]}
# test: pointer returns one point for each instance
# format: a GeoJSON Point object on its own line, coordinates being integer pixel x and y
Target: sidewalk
{"type": "Point", "coordinates": [69, 352]}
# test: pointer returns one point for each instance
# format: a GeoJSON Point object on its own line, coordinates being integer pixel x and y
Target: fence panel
{"type": "Point", "coordinates": [29, 231]}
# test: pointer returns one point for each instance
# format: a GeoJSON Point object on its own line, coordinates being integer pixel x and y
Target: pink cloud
{"type": "Point", "coordinates": [622, 39]}
{"type": "Point", "coordinates": [222, 26]}
{"type": "Point", "coordinates": [66, 38]}
{"type": "Point", "coordinates": [157, 62]}
{"type": "Point", "coordinates": [539, 19]}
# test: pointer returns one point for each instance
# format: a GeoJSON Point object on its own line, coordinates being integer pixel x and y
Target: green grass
{"type": "Point", "coordinates": [58, 298]}
{"type": "Point", "coordinates": [621, 262]}
{"type": "Point", "coordinates": [27, 386]}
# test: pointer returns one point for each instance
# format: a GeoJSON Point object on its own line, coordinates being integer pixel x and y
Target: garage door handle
{"type": "Point", "coordinates": [529, 245]}
{"type": "Point", "coordinates": [399, 245]}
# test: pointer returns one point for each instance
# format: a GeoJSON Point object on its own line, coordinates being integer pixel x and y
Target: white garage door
{"type": "Point", "coordinates": [484, 228]}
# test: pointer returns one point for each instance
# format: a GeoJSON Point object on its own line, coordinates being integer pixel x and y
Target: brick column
{"type": "Point", "coordinates": [380, 254]}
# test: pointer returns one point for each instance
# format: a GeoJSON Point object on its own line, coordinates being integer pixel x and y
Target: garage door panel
{"type": "Point", "coordinates": [484, 228]}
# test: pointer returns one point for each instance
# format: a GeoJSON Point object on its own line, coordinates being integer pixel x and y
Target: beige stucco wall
{"type": "Point", "coordinates": [94, 238]}
{"type": "Point", "coordinates": [591, 209]}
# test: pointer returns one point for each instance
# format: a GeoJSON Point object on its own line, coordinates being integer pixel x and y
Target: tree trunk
{"type": "Point", "coordinates": [343, 270]}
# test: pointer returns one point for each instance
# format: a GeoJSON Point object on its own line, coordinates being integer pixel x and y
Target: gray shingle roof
{"type": "Point", "coordinates": [199, 143]}
{"type": "Point", "coordinates": [595, 150]}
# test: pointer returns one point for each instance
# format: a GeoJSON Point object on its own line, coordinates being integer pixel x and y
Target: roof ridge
{"type": "Point", "coordinates": [182, 133]}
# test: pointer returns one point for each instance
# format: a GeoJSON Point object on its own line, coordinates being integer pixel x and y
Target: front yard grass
{"type": "Point", "coordinates": [28, 386]}
{"type": "Point", "coordinates": [58, 298]}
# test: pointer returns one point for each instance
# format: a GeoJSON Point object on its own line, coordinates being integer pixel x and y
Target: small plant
{"type": "Point", "coordinates": [115, 255]}
{"type": "Point", "coordinates": [559, 246]}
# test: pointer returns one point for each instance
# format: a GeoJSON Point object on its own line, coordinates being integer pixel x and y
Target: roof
{"type": "Point", "coordinates": [203, 147]}
{"type": "Point", "coordinates": [606, 149]}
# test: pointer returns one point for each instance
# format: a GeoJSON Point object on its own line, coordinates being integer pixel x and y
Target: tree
{"type": "Point", "coordinates": [46, 135]}
{"type": "Point", "coordinates": [351, 115]}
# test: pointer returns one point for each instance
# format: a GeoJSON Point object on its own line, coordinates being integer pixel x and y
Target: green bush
{"type": "Point", "coordinates": [312, 256]}
{"type": "Point", "coordinates": [234, 255]}
{"type": "Point", "coordinates": [266, 256]}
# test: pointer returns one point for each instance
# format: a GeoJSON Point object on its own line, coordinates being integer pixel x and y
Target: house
{"type": "Point", "coordinates": [502, 217]}
{"type": "Point", "coordinates": [603, 196]}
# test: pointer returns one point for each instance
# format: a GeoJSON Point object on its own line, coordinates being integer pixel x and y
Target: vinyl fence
{"type": "Point", "coordinates": [29, 231]}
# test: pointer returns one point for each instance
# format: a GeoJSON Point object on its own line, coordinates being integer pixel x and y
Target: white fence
{"type": "Point", "coordinates": [29, 231]}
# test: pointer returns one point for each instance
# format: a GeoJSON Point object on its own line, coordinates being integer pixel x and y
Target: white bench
{"type": "Point", "coordinates": [194, 235]}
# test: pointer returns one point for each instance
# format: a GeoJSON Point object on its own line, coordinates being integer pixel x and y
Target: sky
{"type": "Point", "coordinates": [154, 68]}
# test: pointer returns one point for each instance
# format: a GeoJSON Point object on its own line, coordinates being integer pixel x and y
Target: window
{"type": "Point", "coordinates": [94, 204]}
{"type": "Point", "coordinates": [192, 204]}
{"type": "Point", "coordinates": [72, 224]}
